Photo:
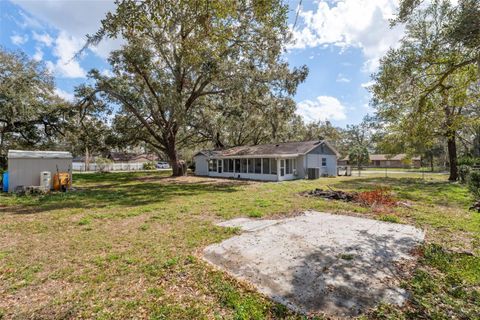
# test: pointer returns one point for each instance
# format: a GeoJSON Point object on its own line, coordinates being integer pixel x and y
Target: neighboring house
{"type": "Point", "coordinates": [269, 162]}
{"type": "Point", "coordinates": [387, 161]}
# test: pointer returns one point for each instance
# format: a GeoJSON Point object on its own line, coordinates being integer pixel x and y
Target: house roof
{"type": "Point", "coordinates": [273, 149]}
{"type": "Point", "coordinates": [25, 154]}
{"type": "Point", "coordinates": [380, 157]}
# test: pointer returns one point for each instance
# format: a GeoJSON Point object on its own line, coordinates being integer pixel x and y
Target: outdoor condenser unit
{"type": "Point", "coordinates": [313, 173]}
{"type": "Point", "coordinates": [45, 179]}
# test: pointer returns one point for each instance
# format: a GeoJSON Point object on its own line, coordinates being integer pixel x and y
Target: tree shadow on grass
{"type": "Point", "coordinates": [350, 282]}
{"type": "Point", "coordinates": [115, 191]}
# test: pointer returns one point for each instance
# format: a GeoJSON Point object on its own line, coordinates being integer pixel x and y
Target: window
{"type": "Point", "coordinates": [237, 165]}
{"type": "Point", "coordinates": [282, 167]}
{"type": "Point", "coordinates": [273, 166]}
{"type": "Point", "coordinates": [288, 166]}
{"type": "Point", "coordinates": [243, 165]}
{"type": "Point", "coordinates": [251, 165]}
{"type": "Point", "coordinates": [324, 162]}
{"type": "Point", "coordinates": [212, 165]}
{"type": "Point", "coordinates": [266, 166]}
{"type": "Point", "coordinates": [258, 165]}
{"type": "Point", "coordinates": [230, 165]}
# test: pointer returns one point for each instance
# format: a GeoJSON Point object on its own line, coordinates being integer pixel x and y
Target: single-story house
{"type": "Point", "coordinates": [387, 161]}
{"type": "Point", "coordinates": [270, 162]}
{"type": "Point", "coordinates": [25, 167]}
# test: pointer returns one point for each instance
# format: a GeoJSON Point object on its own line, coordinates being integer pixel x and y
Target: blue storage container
{"type": "Point", "coordinates": [5, 182]}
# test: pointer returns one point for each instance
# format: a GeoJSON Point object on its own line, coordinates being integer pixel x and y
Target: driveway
{"type": "Point", "coordinates": [319, 262]}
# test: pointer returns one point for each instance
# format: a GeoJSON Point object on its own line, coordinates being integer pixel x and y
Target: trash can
{"type": "Point", "coordinates": [5, 181]}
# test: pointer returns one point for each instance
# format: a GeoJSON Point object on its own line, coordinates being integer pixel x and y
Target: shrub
{"type": "Point", "coordinates": [468, 161]}
{"type": "Point", "coordinates": [376, 197]}
{"type": "Point", "coordinates": [463, 172]}
{"type": "Point", "coordinates": [149, 166]}
{"type": "Point", "coordinates": [474, 183]}
{"type": "Point", "coordinates": [103, 164]}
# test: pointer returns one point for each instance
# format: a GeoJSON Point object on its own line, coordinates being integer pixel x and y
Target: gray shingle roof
{"type": "Point", "coordinates": [281, 149]}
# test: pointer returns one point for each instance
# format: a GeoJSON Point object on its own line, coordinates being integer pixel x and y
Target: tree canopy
{"type": "Point", "coordinates": [427, 87]}
{"type": "Point", "coordinates": [31, 114]}
{"type": "Point", "coordinates": [188, 66]}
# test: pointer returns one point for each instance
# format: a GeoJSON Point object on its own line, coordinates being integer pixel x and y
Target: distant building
{"type": "Point", "coordinates": [387, 161]}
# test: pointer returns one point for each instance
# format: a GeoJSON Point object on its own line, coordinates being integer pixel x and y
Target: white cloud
{"type": "Point", "coordinates": [368, 84]}
{"type": "Point", "coordinates": [44, 39]}
{"type": "Point", "coordinates": [64, 94]}
{"type": "Point", "coordinates": [28, 21]}
{"type": "Point", "coordinates": [342, 78]}
{"type": "Point", "coordinates": [76, 18]}
{"type": "Point", "coordinates": [67, 64]}
{"type": "Point", "coordinates": [323, 108]}
{"type": "Point", "coordinates": [38, 56]}
{"type": "Point", "coordinates": [350, 23]}
{"type": "Point", "coordinates": [18, 40]}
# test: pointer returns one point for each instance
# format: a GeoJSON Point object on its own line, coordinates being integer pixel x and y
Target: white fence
{"type": "Point", "coordinates": [132, 166]}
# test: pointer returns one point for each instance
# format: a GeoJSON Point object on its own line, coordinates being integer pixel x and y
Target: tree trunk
{"type": "Point", "coordinates": [178, 166]}
{"type": "Point", "coordinates": [431, 163]}
{"type": "Point", "coordinates": [87, 159]}
{"type": "Point", "coordinates": [452, 157]}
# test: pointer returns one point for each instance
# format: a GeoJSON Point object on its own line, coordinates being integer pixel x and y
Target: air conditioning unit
{"type": "Point", "coordinates": [313, 173]}
{"type": "Point", "coordinates": [45, 180]}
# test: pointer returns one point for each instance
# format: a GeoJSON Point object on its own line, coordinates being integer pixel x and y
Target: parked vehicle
{"type": "Point", "coordinates": [163, 165]}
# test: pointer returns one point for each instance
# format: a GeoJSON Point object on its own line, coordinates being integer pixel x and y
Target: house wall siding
{"type": "Point", "coordinates": [201, 165]}
{"type": "Point", "coordinates": [323, 149]}
{"type": "Point", "coordinates": [315, 161]}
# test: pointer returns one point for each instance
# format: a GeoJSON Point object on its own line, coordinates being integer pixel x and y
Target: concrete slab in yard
{"type": "Point", "coordinates": [319, 262]}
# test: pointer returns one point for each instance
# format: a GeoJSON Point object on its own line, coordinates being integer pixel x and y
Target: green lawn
{"type": "Point", "coordinates": [126, 245]}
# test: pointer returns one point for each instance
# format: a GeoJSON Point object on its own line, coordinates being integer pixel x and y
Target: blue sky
{"type": "Point", "coordinates": [339, 40]}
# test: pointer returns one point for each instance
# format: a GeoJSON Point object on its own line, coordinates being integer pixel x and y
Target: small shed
{"type": "Point", "coordinates": [24, 167]}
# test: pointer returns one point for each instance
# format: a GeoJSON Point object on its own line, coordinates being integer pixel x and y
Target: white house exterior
{"type": "Point", "coordinates": [269, 162]}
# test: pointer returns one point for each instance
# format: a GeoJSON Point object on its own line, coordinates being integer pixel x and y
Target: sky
{"type": "Point", "coordinates": [340, 41]}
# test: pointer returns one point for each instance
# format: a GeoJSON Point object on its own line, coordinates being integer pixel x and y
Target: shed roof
{"type": "Point", "coordinates": [24, 154]}
{"type": "Point", "coordinates": [273, 149]}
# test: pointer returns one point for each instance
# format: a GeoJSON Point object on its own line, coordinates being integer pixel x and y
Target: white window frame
{"type": "Point", "coordinates": [324, 162]}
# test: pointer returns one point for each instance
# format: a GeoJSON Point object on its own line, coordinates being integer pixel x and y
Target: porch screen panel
{"type": "Point", "coordinates": [266, 166]}
{"type": "Point", "coordinates": [273, 166]}
{"type": "Point", "coordinates": [230, 165]}
{"type": "Point", "coordinates": [251, 166]}
{"type": "Point", "coordinates": [288, 166]}
{"type": "Point", "coordinates": [258, 165]}
{"type": "Point", "coordinates": [243, 165]}
{"type": "Point", "coordinates": [237, 165]}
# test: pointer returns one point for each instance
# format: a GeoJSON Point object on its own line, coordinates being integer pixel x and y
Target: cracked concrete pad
{"type": "Point", "coordinates": [319, 262]}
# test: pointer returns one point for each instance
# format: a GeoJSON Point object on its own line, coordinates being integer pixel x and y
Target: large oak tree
{"type": "Point", "coordinates": [183, 59]}
{"type": "Point", "coordinates": [427, 87]}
